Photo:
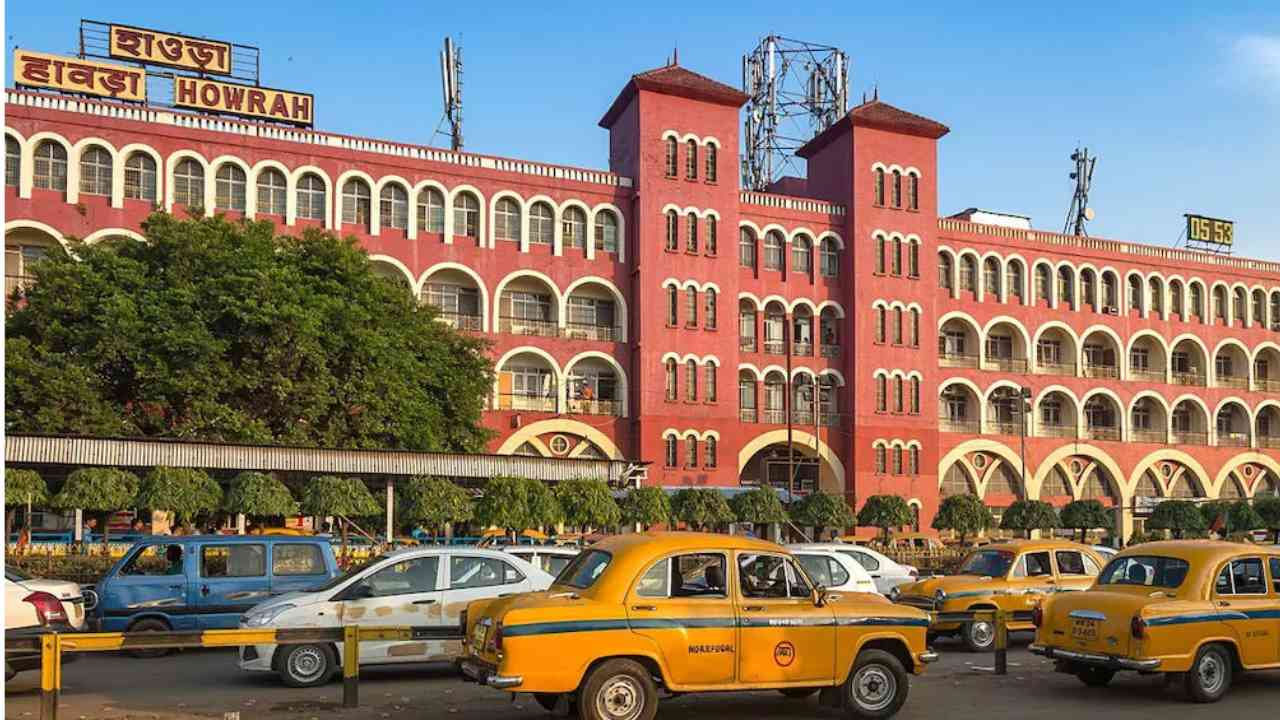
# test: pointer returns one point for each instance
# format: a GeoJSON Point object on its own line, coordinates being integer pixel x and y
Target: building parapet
{"type": "Point", "coordinates": [1136, 250]}
{"type": "Point", "coordinates": [310, 137]}
{"type": "Point", "coordinates": [787, 202]}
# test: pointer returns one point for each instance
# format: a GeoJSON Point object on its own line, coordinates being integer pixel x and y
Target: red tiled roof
{"type": "Point", "coordinates": [876, 114]}
{"type": "Point", "coordinates": [674, 80]}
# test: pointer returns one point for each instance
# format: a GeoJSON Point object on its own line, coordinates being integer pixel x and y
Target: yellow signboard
{"type": "Point", "coordinates": [70, 74]}
{"type": "Point", "coordinates": [1209, 230]}
{"type": "Point", "coordinates": [180, 51]}
{"type": "Point", "coordinates": [246, 100]}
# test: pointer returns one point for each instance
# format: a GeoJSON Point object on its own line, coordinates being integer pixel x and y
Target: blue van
{"type": "Point", "coordinates": [205, 582]}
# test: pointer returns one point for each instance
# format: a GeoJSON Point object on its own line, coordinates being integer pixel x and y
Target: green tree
{"type": "Point", "coordinates": [885, 512]}
{"type": "Point", "coordinates": [1268, 508]}
{"type": "Point", "coordinates": [823, 511]}
{"type": "Point", "coordinates": [701, 508]}
{"type": "Point", "coordinates": [1028, 515]}
{"type": "Point", "coordinates": [186, 492]}
{"type": "Point", "coordinates": [504, 504]}
{"type": "Point", "coordinates": [1214, 513]}
{"type": "Point", "coordinates": [433, 503]}
{"type": "Point", "coordinates": [100, 490]}
{"type": "Point", "coordinates": [1242, 518]}
{"type": "Point", "coordinates": [588, 502]}
{"type": "Point", "coordinates": [544, 508]}
{"type": "Point", "coordinates": [964, 515]}
{"type": "Point", "coordinates": [343, 498]}
{"type": "Point", "coordinates": [758, 506]}
{"type": "Point", "coordinates": [23, 488]}
{"type": "Point", "coordinates": [259, 495]}
{"type": "Point", "coordinates": [1085, 515]}
{"type": "Point", "coordinates": [1178, 517]}
{"type": "Point", "coordinates": [647, 506]}
{"type": "Point", "coordinates": [223, 331]}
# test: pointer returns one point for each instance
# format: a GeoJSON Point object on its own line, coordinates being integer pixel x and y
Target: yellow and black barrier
{"type": "Point", "coordinates": [52, 645]}
{"type": "Point", "coordinates": [999, 619]}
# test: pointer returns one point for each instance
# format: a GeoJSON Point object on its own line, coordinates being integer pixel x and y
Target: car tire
{"type": "Point", "coordinates": [1095, 677]}
{"type": "Point", "coordinates": [797, 693]}
{"type": "Point", "coordinates": [307, 665]}
{"type": "Point", "coordinates": [1210, 675]}
{"type": "Point", "coordinates": [979, 636]}
{"type": "Point", "coordinates": [877, 685]}
{"type": "Point", "coordinates": [618, 690]}
{"type": "Point", "coordinates": [149, 625]}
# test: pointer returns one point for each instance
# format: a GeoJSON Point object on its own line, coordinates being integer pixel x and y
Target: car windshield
{"type": "Point", "coordinates": [354, 571]}
{"type": "Point", "coordinates": [991, 563]}
{"type": "Point", "coordinates": [1146, 571]}
{"type": "Point", "coordinates": [584, 570]}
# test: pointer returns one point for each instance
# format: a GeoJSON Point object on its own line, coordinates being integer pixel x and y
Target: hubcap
{"type": "Point", "coordinates": [981, 633]}
{"type": "Point", "coordinates": [874, 687]}
{"type": "Point", "coordinates": [1212, 673]}
{"type": "Point", "coordinates": [620, 698]}
{"type": "Point", "coordinates": [306, 663]}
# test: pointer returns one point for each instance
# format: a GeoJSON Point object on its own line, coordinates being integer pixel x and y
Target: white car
{"type": "Point", "coordinates": [31, 610]}
{"type": "Point", "coordinates": [1106, 551]}
{"type": "Point", "coordinates": [548, 558]}
{"type": "Point", "coordinates": [422, 587]}
{"type": "Point", "coordinates": [68, 593]}
{"type": "Point", "coordinates": [885, 572]}
{"type": "Point", "coordinates": [834, 570]}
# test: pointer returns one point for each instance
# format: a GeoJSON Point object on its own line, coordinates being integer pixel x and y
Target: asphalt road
{"type": "Point", "coordinates": [207, 684]}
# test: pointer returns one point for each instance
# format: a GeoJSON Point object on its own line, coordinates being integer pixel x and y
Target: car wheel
{"type": "Point", "coordinates": [149, 625]}
{"type": "Point", "coordinates": [305, 665]}
{"type": "Point", "coordinates": [798, 693]}
{"type": "Point", "coordinates": [1210, 675]}
{"type": "Point", "coordinates": [618, 690]}
{"type": "Point", "coordinates": [979, 636]}
{"type": "Point", "coordinates": [877, 686]}
{"type": "Point", "coordinates": [1095, 677]}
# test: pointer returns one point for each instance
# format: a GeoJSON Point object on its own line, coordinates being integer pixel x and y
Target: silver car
{"type": "Point", "coordinates": [885, 572]}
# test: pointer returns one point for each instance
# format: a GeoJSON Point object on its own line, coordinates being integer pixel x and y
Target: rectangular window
{"type": "Point", "coordinates": [1140, 359]}
{"type": "Point", "coordinates": [297, 559]}
{"type": "Point", "coordinates": [239, 560]}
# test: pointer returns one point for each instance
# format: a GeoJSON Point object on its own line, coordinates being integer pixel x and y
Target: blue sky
{"type": "Point", "coordinates": [1181, 103]}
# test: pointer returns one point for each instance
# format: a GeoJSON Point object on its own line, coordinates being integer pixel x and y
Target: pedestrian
{"type": "Point", "coordinates": [137, 527]}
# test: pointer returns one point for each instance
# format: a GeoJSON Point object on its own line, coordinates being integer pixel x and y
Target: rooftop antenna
{"type": "Point", "coordinates": [451, 86]}
{"type": "Point", "coordinates": [1080, 212]}
{"type": "Point", "coordinates": [795, 90]}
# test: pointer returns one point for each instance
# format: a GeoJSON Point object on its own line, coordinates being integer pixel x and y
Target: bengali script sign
{"type": "Point", "coordinates": [257, 102]}
{"type": "Point", "coordinates": [71, 74]}
{"type": "Point", "coordinates": [180, 51]}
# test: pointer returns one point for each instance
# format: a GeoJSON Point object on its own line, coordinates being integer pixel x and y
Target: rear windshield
{"type": "Point", "coordinates": [991, 563]}
{"type": "Point", "coordinates": [584, 570]}
{"type": "Point", "coordinates": [1145, 570]}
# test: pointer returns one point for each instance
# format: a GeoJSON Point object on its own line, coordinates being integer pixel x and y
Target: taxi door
{"type": "Point", "coordinates": [1031, 578]}
{"type": "Point", "coordinates": [782, 636]}
{"type": "Point", "coordinates": [405, 592]}
{"type": "Point", "coordinates": [682, 604]}
{"type": "Point", "coordinates": [1075, 570]}
{"type": "Point", "coordinates": [1246, 604]}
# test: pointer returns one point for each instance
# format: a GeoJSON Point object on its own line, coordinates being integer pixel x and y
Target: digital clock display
{"type": "Point", "coordinates": [1209, 230]}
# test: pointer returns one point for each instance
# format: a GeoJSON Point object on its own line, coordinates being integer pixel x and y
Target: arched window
{"type": "Point", "coordinates": [1238, 304]}
{"type": "Point", "coordinates": [897, 189]}
{"type": "Point", "coordinates": [691, 380]}
{"type": "Point", "coordinates": [897, 460]}
{"type": "Point", "coordinates": [969, 274]}
{"type": "Point", "coordinates": [140, 177]}
{"type": "Point", "coordinates": [691, 233]}
{"type": "Point", "coordinates": [95, 171]}
{"type": "Point", "coordinates": [913, 259]}
{"type": "Point", "coordinates": [507, 220]}
{"type": "Point", "coordinates": [882, 254]}
{"type": "Point", "coordinates": [670, 450]}
{"type": "Point", "coordinates": [273, 192]}
{"type": "Point", "coordinates": [607, 231]}
{"type": "Point", "coordinates": [1156, 290]}
{"type": "Point", "coordinates": [542, 224]}
{"type": "Point", "coordinates": [1066, 288]}
{"type": "Point", "coordinates": [747, 248]}
{"type": "Point", "coordinates": [915, 328]}
{"type": "Point", "coordinates": [773, 251]}
{"type": "Point", "coordinates": [882, 393]}
{"type": "Point", "coordinates": [672, 301]}
{"type": "Point", "coordinates": [879, 186]}
{"type": "Point", "coordinates": [991, 277]}
{"type": "Point", "coordinates": [709, 451]}
{"type": "Point", "coordinates": [188, 183]}
{"type": "Point", "coordinates": [574, 228]}
{"type": "Point", "coordinates": [691, 451]}
{"type": "Point", "coordinates": [1014, 279]}
{"type": "Point", "coordinates": [802, 255]}
{"type": "Point", "coordinates": [711, 235]}
{"type": "Point", "coordinates": [944, 271]}
{"type": "Point", "coordinates": [1220, 304]}
{"type": "Point", "coordinates": [1175, 298]}
{"type": "Point", "coordinates": [913, 192]}
{"type": "Point", "coordinates": [690, 307]}
{"type": "Point", "coordinates": [1197, 302]}
{"type": "Point", "coordinates": [229, 188]}
{"type": "Point", "coordinates": [311, 197]}
{"type": "Point", "coordinates": [430, 210]}
{"type": "Point", "coordinates": [393, 205]}
{"type": "Point", "coordinates": [897, 326]}
{"type": "Point", "coordinates": [1135, 293]}
{"type": "Point", "coordinates": [670, 370]}
{"type": "Point", "coordinates": [673, 231]}
{"type": "Point", "coordinates": [466, 215]}
{"type": "Point", "coordinates": [1259, 309]}
{"type": "Point", "coordinates": [881, 322]}
{"type": "Point", "coordinates": [709, 382]}
{"type": "Point", "coordinates": [896, 257]}
{"type": "Point", "coordinates": [671, 157]}
{"type": "Point", "coordinates": [913, 468]}
{"type": "Point", "coordinates": [882, 459]}
{"type": "Point", "coordinates": [899, 395]}
{"type": "Point", "coordinates": [709, 315]}
{"type": "Point", "coordinates": [915, 396]}
{"type": "Point", "coordinates": [356, 203]}
{"type": "Point", "coordinates": [12, 161]}
{"type": "Point", "coordinates": [691, 160]}
{"type": "Point", "coordinates": [712, 156]}
{"type": "Point", "coordinates": [830, 258]}
{"type": "Point", "coordinates": [50, 168]}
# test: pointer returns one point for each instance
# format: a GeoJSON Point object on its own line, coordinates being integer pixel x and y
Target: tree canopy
{"type": "Point", "coordinates": [1178, 517]}
{"type": "Point", "coordinates": [646, 506]}
{"type": "Point", "coordinates": [1085, 515]}
{"type": "Point", "coordinates": [222, 331]}
{"type": "Point", "coordinates": [1028, 515]}
{"type": "Point", "coordinates": [758, 506]}
{"type": "Point", "coordinates": [964, 515]}
{"type": "Point", "coordinates": [1268, 508]}
{"type": "Point", "coordinates": [544, 508]}
{"type": "Point", "coordinates": [97, 489]}
{"type": "Point", "coordinates": [885, 512]}
{"type": "Point", "coordinates": [504, 504]}
{"type": "Point", "coordinates": [823, 511]}
{"type": "Point", "coordinates": [433, 502]}
{"type": "Point", "coordinates": [24, 486]}
{"type": "Point", "coordinates": [588, 502]}
{"type": "Point", "coordinates": [1241, 518]}
{"type": "Point", "coordinates": [186, 492]}
{"type": "Point", "coordinates": [701, 508]}
{"type": "Point", "coordinates": [259, 495]}
{"type": "Point", "coordinates": [342, 496]}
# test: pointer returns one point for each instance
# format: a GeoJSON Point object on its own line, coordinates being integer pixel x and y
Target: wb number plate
{"type": "Point", "coordinates": [1084, 629]}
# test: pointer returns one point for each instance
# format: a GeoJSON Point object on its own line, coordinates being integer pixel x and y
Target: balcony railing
{"type": "Point", "coordinates": [1101, 432]}
{"type": "Point", "coordinates": [802, 417]}
{"type": "Point", "coordinates": [747, 415]}
{"type": "Point", "coordinates": [1147, 375]}
{"type": "Point", "coordinates": [831, 351]}
{"type": "Point", "coordinates": [1267, 385]}
{"type": "Point", "coordinates": [588, 331]}
{"type": "Point", "coordinates": [1233, 439]}
{"type": "Point", "coordinates": [1101, 371]}
{"type": "Point", "coordinates": [957, 360]}
{"type": "Point", "coordinates": [802, 348]}
{"type": "Point", "coordinates": [532, 403]}
{"type": "Point", "coordinates": [1148, 435]}
{"type": "Point", "coordinates": [828, 419]}
{"type": "Point", "coordinates": [1187, 378]}
{"type": "Point", "coordinates": [462, 321]}
{"type": "Point", "coordinates": [746, 344]}
{"type": "Point", "coordinates": [1005, 364]}
{"type": "Point", "coordinates": [777, 417]}
{"type": "Point", "coordinates": [1269, 441]}
{"type": "Point", "coordinates": [1003, 427]}
{"type": "Point", "coordinates": [1056, 368]}
{"type": "Point", "coordinates": [1188, 437]}
{"type": "Point", "coordinates": [1056, 431]}
{"type": "Point", "coordinates": [958, 426]}
{"type": "Point", "coordinates": [1232, 381]}
{"type": "Point", "coordinates": [582, 406]}
{"type": "Point", "coordinates": [521, 326]}
{"type": "Point", "coordinates": [775, 347]}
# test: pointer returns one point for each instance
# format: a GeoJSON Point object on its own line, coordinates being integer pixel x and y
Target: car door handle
{"type": "Point", "coordinates": [424, 602]}
{"type": "Point", "coordinates": [644, 607]}
{"type": "Point", "coordinates": [753, 608]}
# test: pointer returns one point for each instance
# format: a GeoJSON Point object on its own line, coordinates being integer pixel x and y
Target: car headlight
{"type": "Point", "coordinates": [940, 596]}
{"type": "Point", "coordinates": [268, 616]}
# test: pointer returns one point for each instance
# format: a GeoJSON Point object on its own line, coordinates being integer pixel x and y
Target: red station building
{"type": "Point", "coordinates": [658, 312]}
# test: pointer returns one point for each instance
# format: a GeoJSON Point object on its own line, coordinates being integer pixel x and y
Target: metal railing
{"type": "Point", "coordinates": [1267, 386]}
{"type": "Point", "coordinates": [802, 348]}
{"type": "Point", "coordinates": [747, 415]}
{"type": "Point", "coordinates": [1101, 432]}
{"type": "Point", "coordinates": [582, 406]}
{"type": "Point", "coordinates": [830, 351]}
{"type": "Point", "coordinates": [1156, 376]}
{"type": "Point", "coordinates": [1004, 364]}
{"type": "Point", "coordinates": [1188, 437]}
{"type": "Point", "coordinates": [521, 326]}
{"type": "Point", "coordinates": [1233, 439]}
{"type": "Point", "coordinates": [1046, 430]}
{"type": "Point", "coordinates": [1056, 368]}
{"type": "Point", "coordinates": [1232, 381]}
{"type": "Point", "coordinates": [775, 347]}
{"type": "Point", "coordinates": [802, 417]}
{"type": "Point", "coordinates": [532, 403]}
{"type": "Point", "coordinates": [1186, 378]}
{"type": "Point", "coordinates": [828, 419]}
{"type": "Point", "coordinates": [777, 417]}
{"type": "Point", "coordinates": [1101, 371]}
{"type": "Point", "coordinates": [958, 426]}
{"type": "Point", "coordinates": [1269, 441]}
{"type": "Point", "coordinates": [746, 344]}
{"type": "Point", "coordinates": [1146, 435]}
{"type": "Point", "coordinates": [1003, 427]}
{"type": "Point", "coordinates": [462, 321]}
{"type": "Point", "coordinates": [957, 360]}
{"type": "Point", "coordinates": [589, 331]}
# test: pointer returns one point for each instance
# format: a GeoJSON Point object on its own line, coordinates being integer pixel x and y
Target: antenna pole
{"type": "Point", "coordinates": [1080, 213]}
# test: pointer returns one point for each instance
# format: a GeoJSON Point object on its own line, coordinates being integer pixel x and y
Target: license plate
{"type": "Point", "coordinates": [478, 635]}
{"type": "Point", "coordinates": [1084, 629]}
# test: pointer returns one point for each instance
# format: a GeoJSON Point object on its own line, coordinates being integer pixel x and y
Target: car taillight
{"type": "Point", "coordinates": [497, 637]}
{"type": "Point", "coordinates": [48, 608]}
{"type": "Point", "coordinates": [1037, 616]}
{"type": "Point", "coordinates": [1138, 627]}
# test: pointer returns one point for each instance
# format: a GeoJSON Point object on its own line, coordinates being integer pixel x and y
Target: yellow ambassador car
{"type": "Point", "coordinates": [1198, 610]}
{"type": "Point", "coordinates": [1013, 575]}
{"type": "Point", "coordinates": [692, 612]}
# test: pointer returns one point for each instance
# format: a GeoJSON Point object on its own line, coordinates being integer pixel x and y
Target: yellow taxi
{"type": "Point", "coordinates": [1012, 576]}
{"type": "Point", "coordinates": [1198, 610]}
{"type": "Point", "coordinates": [692, 612]}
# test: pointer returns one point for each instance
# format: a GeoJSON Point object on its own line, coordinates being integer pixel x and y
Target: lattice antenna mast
{"type": "Point", "coordinates": [796, 90]}
{"type": "Point", "coordinates": [451, 86]}
{"type": "Point", "coordinates": [1080, 213]}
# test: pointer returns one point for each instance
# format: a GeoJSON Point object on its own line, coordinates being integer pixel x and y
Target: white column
{"type": "Point", "coordinates": [239, 523]}
{"type": "Point", "coordinates": [391, 508]}
{"type": "Point", "coordinates": [79, 527]}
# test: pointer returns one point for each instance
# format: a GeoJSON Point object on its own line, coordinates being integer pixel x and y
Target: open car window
{"type": "Point", "coordinates": [771, 576]}
{"type": "Point", "coordinates": [1146, 571]}
{"type": "Point", "coordinates": [695, 575]}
